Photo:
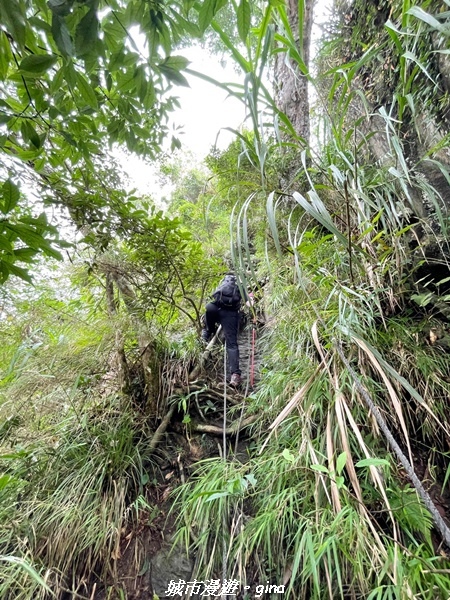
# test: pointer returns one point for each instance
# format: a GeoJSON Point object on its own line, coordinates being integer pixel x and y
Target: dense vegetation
{"type": "Point", "coordinates": [333, 478]}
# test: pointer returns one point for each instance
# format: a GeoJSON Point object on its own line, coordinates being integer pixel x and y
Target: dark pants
{"type": "Point", "coordinates": [229, 319]}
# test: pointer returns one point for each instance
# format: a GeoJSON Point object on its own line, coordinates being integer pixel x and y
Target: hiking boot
{"type": "Point", "coordinates": [235, 380]}
{"type": "Point", "coordinates": [206, 336]}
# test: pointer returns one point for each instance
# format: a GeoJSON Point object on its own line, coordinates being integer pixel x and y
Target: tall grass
{"type": "Point", "coordinates": [330, 512]}
{"type": "Point", "coordinates": [74, 456]}
{"type": "Point", "coordinates": [65, 505]}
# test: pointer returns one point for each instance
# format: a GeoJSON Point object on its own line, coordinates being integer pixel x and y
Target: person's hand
{"type": "Point", "coordinates": [251, 300]}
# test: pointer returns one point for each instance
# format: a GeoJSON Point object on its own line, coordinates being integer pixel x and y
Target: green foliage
{"type": "Point", "coordinates": [330, 511]}
{"type": "Point", "coordinates": [74, 451]}
{"type": "Point", "coordinates": [167, 267]}
{"type": "Point", "coordinates": [23, 236]}
{"type": "Point", "coordinates": [77, 77]}
{"type": "Point", "coordinates": [77, 484]}
{"type": "Point", "coordinates": [319, 509]}
{"type": "Point", "coordinates": [320, 503]}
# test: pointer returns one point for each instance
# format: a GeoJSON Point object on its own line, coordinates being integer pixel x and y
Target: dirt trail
{"type": "Point", "coordinates": [249, 358]}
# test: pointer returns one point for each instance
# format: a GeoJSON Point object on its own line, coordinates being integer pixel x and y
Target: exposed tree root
{"type": "Point", "coordinates": [161, 429]}
{"type": "Point", "coordinates": [193, 375]}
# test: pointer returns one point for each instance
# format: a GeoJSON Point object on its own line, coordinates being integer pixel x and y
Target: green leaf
{"type": "Point", "coordinates": [140, 78]}
{"type": "Point", "coordinates": [243, 19]}
{"type": "Point", "coordinates": [372, 462]}
{"type": "Point", "coordinates": [216, 496]}
{"type": "Point", "coordinates": [25, 254]}
{"type": "Point", "coordinates": [145, 568]}
{"type": "Point", "coordinates": [61, 35]}
{"type": "Point", "coordinates": [251, 479]}
{"type": "Point", "coordinates": [422, 299]}
{"type": "Point", "coordinates": [19, 272]}
{"type": "Point", "coordinates": [60, 7]}
{"type": "Point", "coordinates": [419, 13]}
{"type": "Point", "coordinates": [4, 118]}
{"type": "Point", "coordinates": [270, 210]}
{"type": "Point", "coordinates": [38, 63]}
{"type": "Point", "coordinates": [410, 56]}
{"type": "Point", "coordinates": [86, 91]}
{"type": "Point", "coordinates": [134, 13]}
{"type": "Point", "coordinates": [174, 76]}
{"type": "Point", "coordinates": [28, 568]}
{"type": "Point", "coordinates": [86, 33]}
{"type": "Point", "coordinates": [29, 133]}
{"type": "Point", "coordinates": [316, 208]}
{"type": "Point", "coordinates": [175, 144]}
{"type": "Point", "coordinates": [5, 245]}
{"type": "Point", "coordinates": [287, 455]}
{"type": "Point", "coordinates": [207, 12]}
{"type": "Point", "coordinates": [4, 480]}
{"type": "Point", "coordinates": [10, 196]}
{"type": "Point", "coordinates": [176, 62]}
{"type": "Point", "coordinates": [339, 481]}
{"type": "Point", "coordinates": [5, 55]}
{"type": "Point", "coordinates": [12, 16]}
{"type": "Point", "coordinates": [320, 469]}
{"type": "Point", "coordinates": [340, 463]}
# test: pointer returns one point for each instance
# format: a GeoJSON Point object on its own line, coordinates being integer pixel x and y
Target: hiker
{"type": "Point", "coordinates": [224, 310]}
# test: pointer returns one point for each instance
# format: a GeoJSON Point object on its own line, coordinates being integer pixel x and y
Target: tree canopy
{"type": "Point", "coordinates": [78, 77]}
{"type": "Point", "coordinates": [331, 474]}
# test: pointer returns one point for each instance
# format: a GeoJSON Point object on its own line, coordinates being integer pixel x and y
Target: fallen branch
{"type": "Point", "coordinates": [233, 429]}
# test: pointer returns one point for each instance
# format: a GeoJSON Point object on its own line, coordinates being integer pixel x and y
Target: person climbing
{"type": "Point", "coordinates": [224, 311]}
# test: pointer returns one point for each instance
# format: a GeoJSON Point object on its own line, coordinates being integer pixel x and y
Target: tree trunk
{"type": "Point", "coordinates": [120, 358]}
{"type": "Point", "coordinates": [291, 86]}
{"type": "Point", "coordinates": [146, 346]}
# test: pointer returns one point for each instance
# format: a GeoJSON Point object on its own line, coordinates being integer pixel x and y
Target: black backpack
{"type": "Point", "coordinates": [227, 295]}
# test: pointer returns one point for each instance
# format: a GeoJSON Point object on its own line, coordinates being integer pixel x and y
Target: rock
{"type": "Point", "coordinates": [170, 564]}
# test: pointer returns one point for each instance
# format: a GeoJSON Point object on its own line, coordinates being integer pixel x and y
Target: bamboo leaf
{"type": "Point", "coordinates": [372, 462]}
{"type": "Point", "coordinates": [272, 221]}
{"type": "Point", "coordinates": [395, 35]}
{"type": "Point", "coordinates": [29, 569]}
{"type": "Point", "coordinates": [243, 19]}
{"type": "Point", "coordinates": [419, 13]}
{"type": "Point", "coordinates": [317, 210]}
{"type": "Point", "coordinates": [410, 56]}
{"type": "Point", "coordinates": [238, 57]}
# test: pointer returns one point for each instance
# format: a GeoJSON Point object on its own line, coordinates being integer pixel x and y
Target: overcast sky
{"type": "Point", "coordinates": [205, 109]}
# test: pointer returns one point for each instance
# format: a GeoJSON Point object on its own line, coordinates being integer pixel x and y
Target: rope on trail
{"type": "Point", "coordinates": [437, 518]}
{"type": "Point", "coordinates": [224, 457]}
{"type": "Point", "coordinates": [252, 356]}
